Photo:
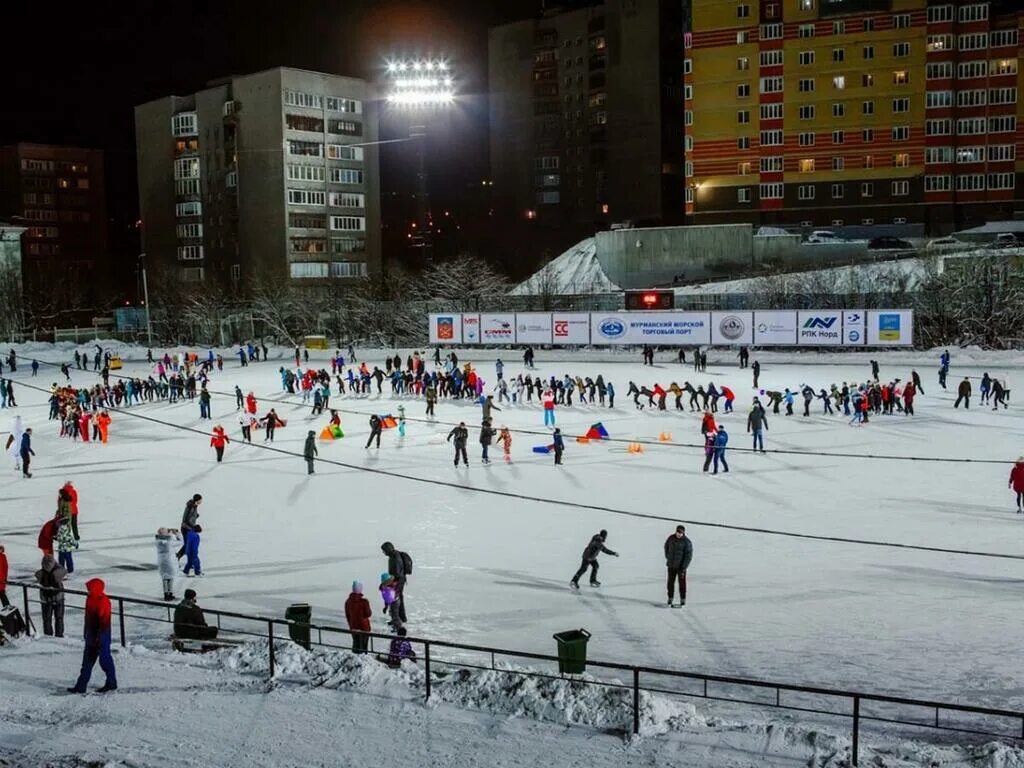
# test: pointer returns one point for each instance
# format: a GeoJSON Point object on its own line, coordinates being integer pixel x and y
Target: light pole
{"type": "Point", "coordinates": [145, 298]}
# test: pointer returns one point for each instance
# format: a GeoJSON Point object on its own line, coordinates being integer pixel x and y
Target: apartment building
{"type": "Point", "coordinates": [850, 112]}
{"type": "Point", "coordinates": [268, 176]}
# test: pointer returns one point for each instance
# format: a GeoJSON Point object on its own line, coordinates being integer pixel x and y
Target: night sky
{"type": "Point", "coordinates": [75, 71]}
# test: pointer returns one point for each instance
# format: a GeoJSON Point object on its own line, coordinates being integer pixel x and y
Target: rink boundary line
{"type": "Point", "coordinates": [288, 399]}
{"type": "Point", "coordinates": [577, 504]}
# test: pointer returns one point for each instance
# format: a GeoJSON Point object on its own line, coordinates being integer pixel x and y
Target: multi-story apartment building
{"type": "Point", "coordinates": [268, 176]}
{"type": "Point", "coordinates": [586, 115]}
{"type": "Point", "coordinates": [829, 112]}
{"type": "Point", "coordinates": [57, 193]}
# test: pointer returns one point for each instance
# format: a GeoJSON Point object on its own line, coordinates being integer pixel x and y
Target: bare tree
{"type": "Point", "coordinates": [467, 283]}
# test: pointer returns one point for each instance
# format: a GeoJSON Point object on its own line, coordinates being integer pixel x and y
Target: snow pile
{"type": "Point", "coordinates": [575, 271]}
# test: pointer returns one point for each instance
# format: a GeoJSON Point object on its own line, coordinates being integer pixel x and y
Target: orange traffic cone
{"type": "Point", "coordinates": [665, 437]}
{"type": "Point", "coordinates": [635, 448]}
{"type": "Point", "coordinates": [583, 439]}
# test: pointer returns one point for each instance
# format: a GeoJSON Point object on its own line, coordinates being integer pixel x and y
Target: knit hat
{"type": "Point", "coordinates": [190, 594]}
{"type": "Point", "coordinates": [385, 576]}
{"type": "Point", "coordinates": [357, 587]}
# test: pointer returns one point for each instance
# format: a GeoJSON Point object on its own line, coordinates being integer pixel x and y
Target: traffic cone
{"type": "Point", "coordinates": [583, 439]}
{"type": "Point", "coordinates": [635, 448]}
{"type": "Point", "coordinates": [665, 437]}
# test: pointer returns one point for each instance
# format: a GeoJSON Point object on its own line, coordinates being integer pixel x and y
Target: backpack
{"type": "Point", "coordinates": [406, 562]}
{"type": "Point", "coordinates": [11, 621]}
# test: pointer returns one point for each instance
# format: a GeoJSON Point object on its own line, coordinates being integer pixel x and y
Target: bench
{"type": "Point", "coordinates": [190, 645]}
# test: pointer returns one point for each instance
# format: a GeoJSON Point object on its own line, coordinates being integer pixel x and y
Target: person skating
{"type": "Point", "coordinates": [808, 395]}
{"type": "Point", "coordinates": [272, 423]}
{"type": "Point", "coordinates": [943, 368]}
{"type": "Point", "coordinates": [757, 424]}
{"type": "Point", "coordinates": [245, 422]}
{"type": "Point", "coordinates": [963, 393]}
{"type": "Point", "coordinates": [678, 554]}
{"type": "Point", "coordinates": [721, 441]}
{"type": "Point", "coordinates": [26, 453]}
{"type": "Point", "coordinates": [589, 560]}
{"type": "Point", "coordinates": [357, 614]}
{"type": "Point", "coordinates": [4, 602]}
{"type": "Point", "coordinates": [189, 519]}
{"type": "Point", "coordinates": [189, 621]}
{"type": "Point", "coordinates": [486, 438]}
{"type": "Point", "coordinates": [744, 357]}
{"type": "Point", "coordinates": [916, 378]}
{"type": "Point", "coordinates": [460, 435]}
{"type": "Point", "coordinates": [709, 449]}
{"type": "Point", "coordinates": [50, 578]}
{"type": "Point", "coordinates": [218, 441]}
{"type": "Point", "coordinates": [97, 639]}
{"type": "Point", "coordinates": [999, 393]}
{"type": "Point", "coordinates": [549, 408]}
{"type": "Point", "coordinates": [165, 563]}
{"type": "Point", "coordinates": [389, 594]}
{"type": "Point", "coordinates": [430, 395]}
{"type": "Point", "coordinates": [505, 439]}
{"type": "Point", "coordinates": [755, 369]}
{"type": "Point", "coordinates": [192, 541]}
{"type": "Point", "coordinates": [399, 568]}
{"type": "Point", "coordinates": [558, 445]}
{"type": "Point", "coordinates": [309, 451]}
{"type": "Point", "coordinates": [376, 425]}
{"type": "Point", "coordinates": [909, 392]}
{"type": "Point", "coordinates": [1017, 483]}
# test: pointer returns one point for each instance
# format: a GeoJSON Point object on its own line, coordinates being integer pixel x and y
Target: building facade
{"type": "Point", "coordinates": [57, 194]}
{"type": "Point", "coordinates": [263, 177]}
{"type": "Point", "coordinates": [586, 117]}
{"type": "Point", "coordinates": [851, 112]}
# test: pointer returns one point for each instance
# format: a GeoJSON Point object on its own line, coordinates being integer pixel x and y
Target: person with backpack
{"type": "Point", "coordinates": [50, 578]}
{"type": "Point", "coordinates": [678, 554]}
{"type": "Point", "coordinates": [66, 545]}
{"type": "Point", "coordinates": [97, 639]}
{"type": "Point", "coordinates": [589, 559]}
{"type": "Point", "coordinates": [357, 614]}
{"type": "Point", "coordinates": [399, 568]}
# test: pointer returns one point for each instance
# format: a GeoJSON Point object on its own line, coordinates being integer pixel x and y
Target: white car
{"type": "Point", "coordinates": [944, 244]}
{"type": "Point", "coordinates": [824, 236]}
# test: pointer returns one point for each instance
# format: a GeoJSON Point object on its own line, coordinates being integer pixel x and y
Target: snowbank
{"type": "Point", "coordinates": [575, 271]}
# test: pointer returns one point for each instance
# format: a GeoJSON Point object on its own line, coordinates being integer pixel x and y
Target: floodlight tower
{"type": "Point", "coordinates": [421, 88]}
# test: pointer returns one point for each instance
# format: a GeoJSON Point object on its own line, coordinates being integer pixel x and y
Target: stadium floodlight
{"type": "Point", "coordinates": [425, 88]}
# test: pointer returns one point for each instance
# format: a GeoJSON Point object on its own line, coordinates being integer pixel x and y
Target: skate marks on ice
{"type": "Point", "coordinates": [954, 578]}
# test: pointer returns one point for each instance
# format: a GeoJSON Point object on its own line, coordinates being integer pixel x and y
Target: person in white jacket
{"type": "Point", "coordinates": [165, 560]}
{"type": "Point", "coordinates": [14, 441]}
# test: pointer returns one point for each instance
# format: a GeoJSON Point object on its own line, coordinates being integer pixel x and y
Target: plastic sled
{"type": "Point", "coordinates": [542, 449]}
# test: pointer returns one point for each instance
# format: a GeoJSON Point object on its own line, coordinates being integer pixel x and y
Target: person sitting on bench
{"type": "Point", "coordinates": [189, 622]}
{"type": "Point", "coordinates": [400, 649]}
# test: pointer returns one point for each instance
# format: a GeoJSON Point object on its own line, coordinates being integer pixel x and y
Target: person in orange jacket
{"type": "Point", "coordinates": [97, 639]}
{"type": "Point", "coordinates": [73, 498]}
{"type": "Point", "coordinates": [218, 441]}
{"type": "Point", "coordinates": [103, 422]}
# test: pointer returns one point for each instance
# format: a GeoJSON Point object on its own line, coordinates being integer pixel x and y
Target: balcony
{"type": "Point", "coordinates": [842, 7]}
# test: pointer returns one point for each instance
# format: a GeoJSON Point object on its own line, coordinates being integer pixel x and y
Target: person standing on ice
{"type": "Point", "coordinates": [963, 393]}
{"type": "Point", "coordinates": [376, 425]}
{"type": "Point", "coordinates": [26, 452]}
{"type": "Point", "coordinates": [309, 451]}
{"type": "Point", "coordinates": [357, 614]}
{"type": "Point", "coordinates": [589, 560]}
{"type": "Point", "coordinates": [1017, 483]}
{"type": "Point", "coordinates": [192, 542]}
{"type": "Point", "coordinates": [189, 519]}
{"type": "Point", "coordinates": [218, 441]}
{"type": "Point", "coordinates": [399, 568]}
{"type": "Point", "coordinates": [744, 357]}
{"type": "Point", "coordinates": [505, 439]}
{"type": "Point", "coordinates": [401, 421]}
{"type": "Point", "coordinates": [272, 422]}
{"type": "Point", "coordinates": [558, 445]}
{"type": "Point", "coordinates": [461, 436]}
{"type": "Point", "coordinates": [943, 368]}
{"type": "Point", "coordinates": [486, 438]}
{"type": "Point", "coordinates": [678, 554]}
{"type": "Point", "coordinates": [165, 563]}
{"type": "Point", "coordinates": [709, 449]}
{"type": "Point", "coordinates": [549, 408]}
{"type": "Point", "coordinates": [757, 425]}
{"type": "Point", "coordinates": [97, 639]}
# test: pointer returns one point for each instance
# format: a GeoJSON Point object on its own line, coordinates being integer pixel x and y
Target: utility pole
{"type": "Point", "coordinates": [145, 298]}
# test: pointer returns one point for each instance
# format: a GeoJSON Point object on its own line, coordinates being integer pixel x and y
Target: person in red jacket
{"type": "Point", "coordinates": [707, 424]}
{"type": "Point", "coordinates": [73, 494]}
{"type": "Point", "coordinates": [97, 639]}
{"type": "Point", "coordinates": [358, 613]}
{"type": "Point", "coordinates": [1017, 483]}
{"type": "Point", "coordinates": [4, 602]}
{"type": "Point", "coordinates": [218, 441]}
{"type": "Point", "coordinates": [47, 534]}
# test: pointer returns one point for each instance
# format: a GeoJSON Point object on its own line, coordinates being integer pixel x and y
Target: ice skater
{"type": "Point", "coordinates": [589, 560]}
{"type": "Point", "coordinates": [459, 436]}
{"type": "Point", "coordinates": [1017, 483]}
{"type": "Point", "coordinates": [678, 554]}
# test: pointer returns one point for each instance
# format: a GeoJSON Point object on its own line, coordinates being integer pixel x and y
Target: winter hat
{"type": "Point", "coordinates": [161, 532]}
{"type": "Point", "coordinates": [385, 577]}
{"type": "Point", "coordinates": [604, 534]}
{"type": "Point", "coordinates": [357, 587]}
{"type": "Point", "coordinates": [190, 594]}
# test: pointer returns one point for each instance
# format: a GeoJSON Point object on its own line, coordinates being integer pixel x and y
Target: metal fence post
{"type": "Point", "coordinates": [426, 666]}
{"type": "Point", "coordinates": [636, 701]}
{"type": "Point", "coordinates": [28, 619]}
{"type": "Point", "coordinates": [270, 641]}
{"type": "Point", "coordinates": [120, 619]}
{"type": "Point", "coordinates": [856, 730]}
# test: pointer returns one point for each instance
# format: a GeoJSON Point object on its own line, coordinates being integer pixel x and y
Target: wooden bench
{"type": "Point", "coordinates": [190, 645]}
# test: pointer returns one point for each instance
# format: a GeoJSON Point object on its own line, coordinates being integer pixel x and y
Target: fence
{"type": "Point", "coordinates": [798, 698]}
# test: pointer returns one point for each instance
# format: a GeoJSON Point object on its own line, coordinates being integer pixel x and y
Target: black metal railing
{"type": "Point", "coordinates": [888, 709]}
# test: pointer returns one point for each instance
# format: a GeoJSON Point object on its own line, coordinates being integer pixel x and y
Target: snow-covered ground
{"type": "Point", "coordinates": [576, 270]}
{"type": "Point", "coordinates": [492, 569]}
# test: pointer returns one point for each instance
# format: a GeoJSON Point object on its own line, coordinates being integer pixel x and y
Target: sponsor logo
{"type": "Point", "coordinates": [445, 328]}
{"type": "Point", "coordinates": [466, 320]}
{"type": "Point", "coordinates": [561, 328]}
{"type": "Point", "coordinates": [823, 323]}
{"type": "Point", "coordinates": [731, 327]}
{"type": "Point", "coordinates": [854, 336]}
{"type": "Point", "coordinates": [854, 318]}
{"type": "Point", "coordinates": [889, 327]}
{"type": "Point", "coordinates": [762, 327]}
{"type": "Point", "coordinates": [612, 328]}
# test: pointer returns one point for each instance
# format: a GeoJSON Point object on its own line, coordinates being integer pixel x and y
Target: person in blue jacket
{"type": "Point", "coordinates": [25, 451]}
{"type": "Point", "coordinates": [192, 551]}
{"type": "Point", "coordinates": [788, 398]}
{"type": "Point", "coordinates": [721, 440]}
{"type": "Point", "coordinates": [559, 445]}
{"type": "Point", "coordinates": [611, 395]}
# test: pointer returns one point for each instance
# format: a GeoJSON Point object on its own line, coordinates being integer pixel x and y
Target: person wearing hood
{"type": "Point", "coordinates": [189, 621]}
{"type": "Point", "coordinates": [309, 451]}
{"type": "Point", "coordinates": [50, 577]}
{"type": "Point", "coordinates": [97, 639]}
{"type": "Point", "coordinates": [26, 452]}
{"type": "Point", "coordinates": [398, 571]}
{"type": "Point", "coordinates": [165, 561]}
{"type": "Point", "coordinates": [218, 441]}
{"type": "Point", "coordinates": [357, 614]}
{"type": "Point", "coordinates": [1017, 483]}
{"type": "Point", "coordinates": [589, 560]}
{"type": "Point", "coordinates": [72, 493]}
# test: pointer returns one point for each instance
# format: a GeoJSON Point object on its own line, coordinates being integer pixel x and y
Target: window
{"type": "Point", "coordinates": [190, 252]}
{"type": "Point", "coordinates": [940, 70]}
{"type": "Point", "coordinates": [837, 191]}
{"type": "Point", "coordinates": [838, 163]}
{"type": "Point", "coordinates": [940, 13]}
{"type": "Point", "coordinates": [742, 11]}
{"type": "Point", "coordinates": [806, 85]}
{"type": "Point", "coordinates": [743, 142]}
{"type": "Point", "coordinates": [867, 135]}
{"type": "Point", "coordinates": [348, 269]}
{"type": "Point", "coordinates": [805, 192]}
{"type": "Point", "coordinates": [348, 223]}
{"type": "Point", "coordinates": [806, 30]}
{"type": "Point", "coordinates": [347, 245]}
{"type": "Point", "coordinates": [546, 163]}
{"type": "Point", "coordinates": [901, 160]}
{"type": "Point", "coordinates": [935, 43]}
{"type": "Point", "coordinates": [771, 191]}
{"type": "Point", "coordinates": [1002, 124]}
{"type": "Point", "coordinates": [305, 172]}
{"type": "Point", "coordinates": [771, 58]}
{"type": "Point", "coordinates": [184, 168]}
{"type": "Point", "coordinates": [304, 123]}
{"type": "Point", "coordinates": [29, 164]}
{"type": "Point", "coordinates": [938, 127]}
{"type": "Point", "coordinates": [969, 182]}
{"type": "Point", "coordinates": [743, 37]}
{"type": "Point", "coordinates": [934, 155]}
{"type": "Point", "coordinates": [938, 183]}
{"type": "Point", "coordinates": [82, 183]}
{"type": "Point", "coordinates": [970, 126]}
{"type": "Point", "coordinates": [303, 220]}
{"type": "Point", "coordinates": [838, 137]}
{"type": "Point", "coordinates": [974, 12]}
{"type": "Point", "coordinates": [343, 152]}
{"type": "Point", "coordinates": [938, 99]}
{"type": "Point", "coordinates": [867, 108]}
{"type": "Point", "coordinates": [542, 180]}
{"type": "Point", "coordinates": [687, 66]}
{"type": "Point", "coordinates": [346, 176]}
{"type": "Point", "coordinates": [184, 124]}
{"type": "Point", "coordinates": [336, 104]}
{"type": "Point", "coordinates": [188, 209]}
{"type": "Point", "coordinates": [771, 165]}
{"type": "Point", "coordinates": [688, 143]}
{"type": "Point", "coordinates": [771, 85]}
{"type": "Point", "coordinates": [744, 168]}
{"type": "Point", "coordinates": [689, 199]}
{"type": "Point", "coordinates": [771, 31]}
{"type": "Point", "coordinates": [974, 41]}
{"type": "Point", "coordinates": [231, 179]}
{"type": "Point", "coordinates": [868, 52]}
{"type": "Point", "coordinates": [1000, 152]}
{"type": "Point", "coordinates": [1004, 67]}
{"type": "Point", "coordinates": [869, 161]}
{"type": "Point", "coordinates": [743, 63]}
{"type": "Point", "coordinates": [771, 138]}
{"type": "Point", "coordinates": [806, 57]}
{"type": "Point", "coordinates": [900, 50]}
{"type": "Point", "coordinates": [900, 188]}
{"type": "Point", "coordinates": [901, 21]}
{"type": "Point", "coordinates": [1002, 96]}
{"type": "Point", "coordinates": [299, 99]}
{"type": "Point", "coordinates": [900, 77]}
{"type": "Point", "coordinates": [807, 139]}
{"type": "Point", "coordinates": [970, 154]}
{"type": "Point", "coordinates": [807, 112]}
{"type": "Point", "coordinates": [687, 94]}
{"type": "Point", "coordinates": [743, 195]}
{"type": "Point", "coordinates": [771, 111]}
{"type": "Point", "coordinates": [186, 187]}
{"type": "Point", "coordinates": [1000, 181]}
{"type": "Point", "coordinates": [900, 133]}
{"type": "Point", "coordinates": [975, 98]}
{"type": "Point", "coordinates": [743, 90]}
{"type": "Point", "coordinates": [838, 55]}
{"type": "Point", "coordinates": [965, 70]}
{"type": "Point", "coordinates": [308, 270]}
{"type": "Point", "coordinates": [307, 245]}
{"type": "Point", "coordinates": [900, 105]}
{"type": "Point", "coordinates": [743, 116]}
{"type": "Point", "coordinates": [345, 127]}
{"type": "Point", "coordinates": [348, 200]}
{"type": "Point", "coordinates": [551, 197]}
{"type": "Point", "coordinates": [305, 148]}
{"type": "Point", "coordinates": [1002, 37]}
{"type": "Point", "coordinates": [839, 82]}
{"type": "Point", "coordinates": [869, 25]}
{"type": "Point", "coordinates": [867, 80]}
{"type": "Point", "coordinates": [306, 197]}
{"type": "Point", "coordinates": [838, 109]}
{"type": "Point", "coordinates": [838, 27]}
{"type": "Point", "coordinates": [806, 165]}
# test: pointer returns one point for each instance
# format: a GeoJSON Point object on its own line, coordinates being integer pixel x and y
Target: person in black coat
{"type": "Point", "coordinates": [678, 554]}
{"type": "Point", "coordinates": [189, 622]}
{"type": "Point", "coordinates": [590, 553]}
{"type": "Point", "coordinates": [309, 451]}
{"type": "Point", "coordinates": [26, 452]}
{"type": "Point", "coordinates": [559, 445]}
{"type": "Point", "coordinates": [375, 428]}
{"type": "Point", "coordinates": [189, 520]}
{"type": "Point", "coordinates": [461, 436]}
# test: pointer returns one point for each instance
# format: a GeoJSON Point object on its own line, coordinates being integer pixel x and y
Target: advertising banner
{"type": "Point", "coordinates": [498, 329]}
{"type": "Point", "coordinates": [570, 327]}
{"type": "Point", "coordinates": [471, 329]}
{"type": "Point", "coordinates": [445, 329]}
{"type": "Point", "coordinates": [732, 328]}
{"type": "Point", "coordinates": [773, 327]}
{"type": "Point", "coordinates": [891, 327]}
{"type": "Point", "coordinates": [820, 328]}
{"type": "Point", "coordinates": [854, 327]}
{"type": "Point", "coordinates": [533, 328]}
{"type": "Point", "coordinates": [687, 328]}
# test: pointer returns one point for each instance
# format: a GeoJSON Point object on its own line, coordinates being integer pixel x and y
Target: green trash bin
{"type": "Point", "coordinates": [302, 613]}
{"type": "Point", "coordinates": [572, 651]}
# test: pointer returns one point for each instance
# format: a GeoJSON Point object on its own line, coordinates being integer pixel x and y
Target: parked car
{"type": "Point", "coordinates": [824, 236]}
{"type": "Point", "coordinates": [887, 243]}
{"type": "Point", "coordinates": [948, 243]}
{"type": "Point", "coordinates": [1006, 240]}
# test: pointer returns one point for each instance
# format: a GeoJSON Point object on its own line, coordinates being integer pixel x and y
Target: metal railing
{"type": "Point", "coordinates": [698, 685]}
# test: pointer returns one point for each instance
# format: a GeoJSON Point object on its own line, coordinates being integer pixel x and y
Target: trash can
{"type": "Point", "coordinates": [115, 363]}
{"type": "Point", "coordinates": [302, 613]}
{"type": "Point", "coordinates": [572, 651]}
